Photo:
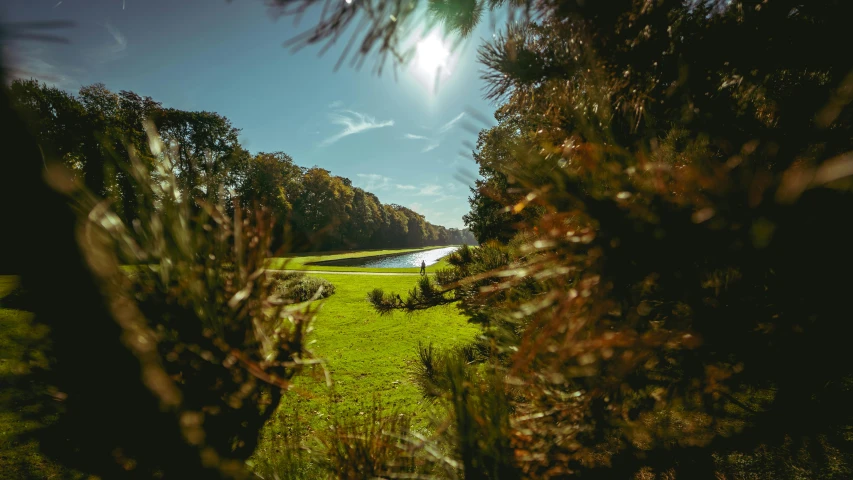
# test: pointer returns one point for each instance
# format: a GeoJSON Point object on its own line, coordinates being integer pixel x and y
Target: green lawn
{"type": "Point", "coordinates": [370, 358]}
{"type": "Point", "coordinates": [298, 262]}
{"type": "Point", "coordinates": [367, 353]}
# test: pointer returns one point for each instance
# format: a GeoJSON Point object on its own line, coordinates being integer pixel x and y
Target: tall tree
{"type": "Point", "coordinates": [324, 206]}
{"type": "Point", "coordinates": [274, 182]}
{"type": "Point", "coordinates": [61, 125]}
{"type": "Point", "coordinates": [209, 157]}
{"type": "Point", "coordinates": [495, 214]}
{"type": "Point", "coordinates": [364, 219]}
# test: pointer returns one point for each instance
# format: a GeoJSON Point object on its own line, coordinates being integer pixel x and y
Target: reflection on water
{"type": "Point", "coordinates": [406, 260]}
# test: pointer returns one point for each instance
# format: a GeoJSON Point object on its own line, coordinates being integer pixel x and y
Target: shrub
{"type": "Point", "coordinates": [297, 287]}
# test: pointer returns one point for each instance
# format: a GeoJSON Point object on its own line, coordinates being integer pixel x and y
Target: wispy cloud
{"type": "Point", "coordinates": [372, 181]}
{"type": "Point", "coordinates": [26, 63]}
{"type": "Point", "coordinates": [353, 122]}
{"type": "Point", "coordinates": [431, 146]}
{"type": "Point", "coordinates": [430, 190]}
{"type": "Point", "coordinates": [112, 51]}
{"type": "Point", "coordinates": [447, 126]}
{"type": "Point", "coordinates": [433, 142]}
{"type": "Point", "coordinates": [336, 104]}
{"type": "Point", "coordinates": [412, 136]}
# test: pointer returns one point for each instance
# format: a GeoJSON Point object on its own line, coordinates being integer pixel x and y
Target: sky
{"type": "Point", "coordinates": [400, 138]}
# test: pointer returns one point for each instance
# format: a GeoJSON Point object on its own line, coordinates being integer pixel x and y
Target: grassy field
{"type": "Point", "coordinates": [20, 352]}
{"type": "Point", "coordinates": [368, 356]}
{"type": "Point", "coordinates": [370, 359]}
{"type": "Point", "coordinates": [298, 262]}
{"type": "Point", "coordinates": [367, 353]}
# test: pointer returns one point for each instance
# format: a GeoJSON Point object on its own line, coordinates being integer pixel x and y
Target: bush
{"type": "Point", "coordinates": [297, 287]}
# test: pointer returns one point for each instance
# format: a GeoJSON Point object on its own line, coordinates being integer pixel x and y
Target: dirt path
{"type": "Point", "coordinates": [327, 272]}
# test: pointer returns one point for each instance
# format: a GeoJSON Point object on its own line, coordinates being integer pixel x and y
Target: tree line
{"type": "Point", "coordinates": [101, 135]}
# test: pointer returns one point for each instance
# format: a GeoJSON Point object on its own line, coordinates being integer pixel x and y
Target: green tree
{"type": "Point", "coordinates": [365, 219]}
{"type": "Point", "coordinates": [396, 227]}
{"type": "Point", "coordinates": [274, 182]}
{"type": "Point", "coordinates": [61, 125]}
{"type": "Point", "coordinates": [416, 231]}
{"type": "Point", "coordinates": [323, 207]}
{"type": "Point", "coordinates": [208, 158]}
{"type": "Point", "coordinates": [496, 200]}
{"type": "Point", "coordinates": [93, 133]}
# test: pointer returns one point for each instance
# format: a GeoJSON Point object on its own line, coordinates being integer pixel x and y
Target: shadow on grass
{"type": "Point", "coordinates": [26, 406]}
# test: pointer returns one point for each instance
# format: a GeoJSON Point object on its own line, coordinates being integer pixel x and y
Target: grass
{"type": "Point", "coordinates": [21, 346]}
{"type": "Point", "coordinates": [370, 357]}
{"type": "Point", "coordinates": [298, 262]}
{"type": "Point", "coordinates": [366, 352]}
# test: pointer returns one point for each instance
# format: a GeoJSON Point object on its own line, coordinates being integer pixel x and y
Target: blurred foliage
{"type": "Point", "coordinates": [173, 369]}
{"type": "Point", "coordinates": [372, 444]}
{"type": "Point", "coordinates": [376, 442]}
{"type": "Point", "coordinates": [22, 411]}
{"type": "Point", "coordinates": [663, 280]}
{"type": "Point", "coordinates": [668, 181]}
{"type": "Point", "coordinates": [282, 453]}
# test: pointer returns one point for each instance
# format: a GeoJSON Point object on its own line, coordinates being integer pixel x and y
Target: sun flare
{"type": "Point", "coordinates": [432, 56]}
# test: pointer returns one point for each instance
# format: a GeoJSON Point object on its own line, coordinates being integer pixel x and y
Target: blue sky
{"type": "Point", "coordinates": [402, 139]}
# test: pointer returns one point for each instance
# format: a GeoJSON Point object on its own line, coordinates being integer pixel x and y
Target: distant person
{"type": "Point", "coordinates": [423, 267]}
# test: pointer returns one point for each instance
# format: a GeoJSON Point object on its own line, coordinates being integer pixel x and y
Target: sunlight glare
{"type": "Point", "coordinates": [432, 56]}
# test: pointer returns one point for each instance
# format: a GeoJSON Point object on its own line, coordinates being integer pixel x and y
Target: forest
{"type": "Point", "coordinates": [95, 131]}
{"type": "Point", "coordinates": [660, 284]}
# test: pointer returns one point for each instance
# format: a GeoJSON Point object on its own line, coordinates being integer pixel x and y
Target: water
{"type": "Point", "coordinates": [405, 260]}
{"type": "Point", "coordinates": [409, 260]}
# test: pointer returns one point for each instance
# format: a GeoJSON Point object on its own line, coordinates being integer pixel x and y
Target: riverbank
{"type": "Point", "coordinates": [310, 262]}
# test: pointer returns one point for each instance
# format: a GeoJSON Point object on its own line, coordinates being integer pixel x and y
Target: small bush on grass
{"type": "Point", "coordinates": [297, 287]}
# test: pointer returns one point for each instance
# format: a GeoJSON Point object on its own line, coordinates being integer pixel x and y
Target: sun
{"type": "Point", "coordinates": [433, 60]}
{"type": "Point", "coordinates": [431, 56]}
